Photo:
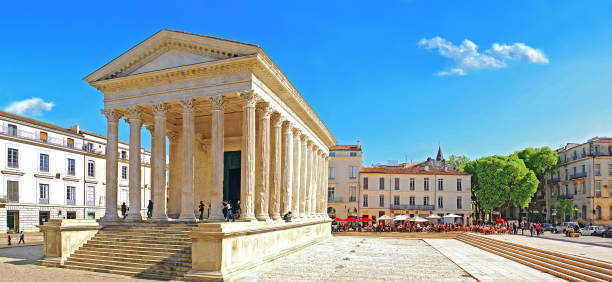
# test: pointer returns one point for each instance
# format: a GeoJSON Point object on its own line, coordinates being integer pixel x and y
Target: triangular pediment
{"type": "Point", "coordinates": [170, 49]}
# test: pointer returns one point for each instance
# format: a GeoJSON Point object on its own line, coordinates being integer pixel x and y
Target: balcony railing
{"type": "Point", "coordinates": [43, 201]}
{"type": "Point", "coordinates": [70, 202]}
{"type": "Point", "coordinates": [335, 200]}
{"type": "Point", "coordinates": [414, 207]}
{"type": "Point", "coordinates": [352, 199]}
{"type": "Point", "coordinates": [566, 196]}
{"type": "Point", "coordinates": [578, 175]}
{"type": "Point", "coordinates": [554, 180]}
{"type": "Point", "coordinates": [32, 136]}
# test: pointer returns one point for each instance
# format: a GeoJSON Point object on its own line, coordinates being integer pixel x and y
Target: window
{"type": "Point", "coordinates": [411, 184]}
{"type": "Point", "coordinates": [91, 195]}
{"type": "Point", "coordinates": [365, 200]}
{"type": "Point", "coordinates": [583, 170]}
{"type": "Point", "coordinates": [598, 212]}
{"type": "Point", "coordinates": [331, 194]}
{"type": "Point", "coordinates": [91, 168]}
{"type": "Point", "coordinates": [426, 200]}
{"type": "Point", "coordinates": [574, 169]}
{"type": "Point", "coordinates": [411, 201]}
{"type": "Point", "coordinates": [440, 184]}
{"type": "Point", "coordinates": [71, 167]}
{"type": "Point", "coordinates": [566, 190]}
{"type": "Point", "coordinates": [353, 154]}
{"type": "Point", "coordinates": [397, 183]}
{"type": "Point", "coordinates": [426, 184]}
{"type": "Point", "coordinates": [459, 184]}
{"type": "Point", "coordinates": [123, 155]}
{"type": "Point", "coordinates": [353, 172]}
{"type": "Point", "coordinates": [396, 200]}
{"type": "Point", "coordinates": [584, 187]}
{"type": "Point", "coordinates": [597, 189]}
{"type": "Point", "coordinates": [575, 189]}
{"type": "Point", "coordinates": [124, 172]}
{"type": "Point", "coordinates": [459, 203]}
{"type": "Point", "coordinates": [332, 154]}
{"type": "Point", "coordinates": [70, 195]}
{"type": "Point", "coordinates": [440, 202]}
{"type": "Point", "coordinates": [610, 170]}
{"type": "Point", "coordinates": [12, 130]}
{"type": "Point", "coordinates": [12, 191]}
{"type": "Point", "coordinates": [352, 194]}
{"type": "Point", "coordinates": [70, 143]}
{"type": "Point", "coordinates": [44, 137]}
{"type": "Point", "coordinates": [381, 183]}
{"type": "Point", "coordinates": [43, 193]}
{"type": "Point", "coordinates": [90, 147]}
{"type": "Point", "coordinates": [566, 174]}
{"type": "Point", "coordinates": [381, 200]}
{"type": "Point", "coordinates": [44, 163]}
{"type": "Point", "coordinates": [584, 212]}
{"type": "Point", "coordinates": [365, 183]}
{"type": "Point", "coordinates": [13, 158]}
{"type": "Point", "coordinates": [332, 174]}
{"type": "Point", "coordinates": [597, 170]}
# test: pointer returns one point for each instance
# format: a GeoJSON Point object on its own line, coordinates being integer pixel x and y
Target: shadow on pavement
{"type": "Point", "coordinates": [21, 255]}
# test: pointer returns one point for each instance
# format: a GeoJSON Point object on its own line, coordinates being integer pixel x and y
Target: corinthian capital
{"type": "Point", "coordinates": [112, 115]}
{"type": "Point", "coordinates": [187, 105]}
{"type": "Point", "coordinates": [160, 108]}
{"type": "Point", "coordinates": [217, 102]}
{"type": "Point", "coordinates": [287, 127]}
{"type": "Point", "coordinates": [276, 119]}
{"type": "Point", "coordinates": [134, 112]}
{"type": "Point", "coordinates": [263, 109]}
{"type": "Point", "coordinates": [249, 98]}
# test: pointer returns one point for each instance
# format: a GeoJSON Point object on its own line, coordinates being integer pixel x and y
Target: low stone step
{"type": "Point", "coordinates": [133, 269]}
{"type": "Point", "coordinates": [185, 258]}
{"type": "Point", "coordinates": [128, 240]}
{"type": "Point", "coordinates": [155, 276]}
{"type": "Point", "coordinates": [125, 252]}
{"type": "Point", "coordinates": [128, 262]}
{"type": "Point", "coordinates": [180, 261]}
{"type": "Point", "coordinates": [142, 236]}
{"type": "Point", "coordinates": [151, 243]}
{"type": "Point", "coordinates": [128, 249]}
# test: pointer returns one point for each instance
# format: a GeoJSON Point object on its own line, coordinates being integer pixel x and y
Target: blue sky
{"type": "Point", "coordinates": [358, 63]}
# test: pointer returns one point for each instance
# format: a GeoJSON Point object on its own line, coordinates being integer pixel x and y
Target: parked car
{"type": "Point", "coordinates": [588, 230]}
{"type": "Point", "coordinates": [598, 231]}
{"type": "Point", "coordinates": [608, 232]}
{"type": "Point", "coordinates": [565, 225]}
{"type": "Point", "coordinates": [547, 227]}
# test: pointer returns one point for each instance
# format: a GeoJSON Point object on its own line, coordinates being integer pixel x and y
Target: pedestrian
{"type": "Point", "coordinates": [21, 238]}
{"type": "Point", "coordinates": [236, 211]}
{"type": "Point", "coordinates": [230, 213]}
{"type": "Point", "coordinates": [287, 217]}
{"type": "Point", "coordinates": [9, 239]}
{"type": "Point", "coordinates": [201, 210]}
{"type": "Point", "coordinates": [150, 209]}
{"type": "Point", "coordinates": [123, 210]}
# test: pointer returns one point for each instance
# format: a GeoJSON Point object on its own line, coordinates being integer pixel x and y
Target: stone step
{"type": "Point", "coordinates": [127, 252]}
{"type": "Point", "coordinates": [126, 248]}
{"type": "Point", "coordinates": [129, 263]}
{"type": "Point", "coordinates": [147, 234]}
{"type": "Point", "coordinates": [171, 229]}
{"type": "Point", "coordinates": [148, 243]}
{"type": "Point", "coordinates": [127, 240]}
{"type": "Point", "coordinates": [173, 258]}
{"type": "Point", "coordinates": [139, 235]}
{"type": "Point", "coordinates": [152, 275]}
{"type": "Point", "coordinates": [135, 269]}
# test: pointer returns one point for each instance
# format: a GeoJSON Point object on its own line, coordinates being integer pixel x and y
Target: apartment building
{"type": "Point", "coordinates": [584, 176]}
{"type": "Point", "coordinates": [415, 189]}
{"type": "Point", "coordinates": [343, 181]}
{"type": "Point", "coordinates": [53, 172]}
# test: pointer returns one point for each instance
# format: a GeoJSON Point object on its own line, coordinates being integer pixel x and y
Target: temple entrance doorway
{"type": "Point", "coordinates": [231, 176]}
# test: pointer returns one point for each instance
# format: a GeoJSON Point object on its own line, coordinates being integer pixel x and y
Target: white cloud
{"type": "Point", "coordinates": [518, 51]}
{"type": "Point", "coordinates": [466, 56]}
{"type": "Point", "coordinates": [32, 106]}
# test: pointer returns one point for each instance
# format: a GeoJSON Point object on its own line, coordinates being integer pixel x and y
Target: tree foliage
{"type": "Point", "coordinates": [539, 160]}
{"type": "Point", "coordinates": [566, 206]}
{"type": "Point", "coordinates": [458, 161]}
{"type": "Point", "coordinates": [501, 180]}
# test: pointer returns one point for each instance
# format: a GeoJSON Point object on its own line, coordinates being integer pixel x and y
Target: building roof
{"type": "Point", "coordinates": [37, 122]}
{"type": "Point", "coordinates": [346, 148]}
{"type": "Point", "coordinates": [412, 170]}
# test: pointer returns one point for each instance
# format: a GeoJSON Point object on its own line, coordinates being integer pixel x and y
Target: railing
{"type": "Point", "coordinates": [335, 200]}
{"type": "Point", "coordinates": [414, 207]}
{"type": "Point", "coordinates": [32, 136]}
{"type": "Point", "coordinates": [554, 180]}
{"type": "Point", "coordinates": [43, 201]}
{"type": "Point", "coordinates": [70, 202]}
{"type": "Point", "coordinates": [578, 175]}
{"type": "Point", "coordinates": [598, 194]}
{"type": "Point", "coordinates": [566, 196]}
{"type": "Point", "coordinates": [352, 199]}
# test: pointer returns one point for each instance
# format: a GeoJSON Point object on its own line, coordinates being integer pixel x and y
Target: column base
{"type": "Point", "coordinates": [263, 218]}
{"type": "Point", "coordinates": [133, 217]}
{"type": "Point", "coordinates": [109, 219]}
{"type": "Point", "coordinates": [162, 217]}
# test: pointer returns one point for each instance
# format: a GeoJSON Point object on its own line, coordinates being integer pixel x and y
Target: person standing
{"type": "Point", "coordinates": [150, 209]}
{"type": "Point", "coordinates": [21, 238]}
{"type": "Point", "coordinates": [236, 213]}
{"type": "Point", "coordinates": [9, 239]}
{"type": "Point", "coordinates": [123, 210]}
{"type": "Point", "coordinates": [201, 210]}
{"type": "Point", "coordinates": [230, 213]}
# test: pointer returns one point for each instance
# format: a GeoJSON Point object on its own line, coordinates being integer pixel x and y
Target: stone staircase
{"type": "Point", "coordinates": [161, 252]}
{"type": "Point", "coordinates": [568, 267]}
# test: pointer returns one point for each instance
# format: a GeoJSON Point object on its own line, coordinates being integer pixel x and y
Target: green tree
{"type": "Point", "coordinates": [539, 160]}
{"type": "Point", "coordinates": [565, 206]}
{"type": "Point", "coordinates": [458, 161]}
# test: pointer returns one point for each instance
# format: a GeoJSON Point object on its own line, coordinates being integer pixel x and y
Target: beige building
{"type": "Point", "coordinates": [584, 176]}
{"type": "Point", "coordinates": [415, 189]}
{"type": "Point", "coordinates": [345, 164]}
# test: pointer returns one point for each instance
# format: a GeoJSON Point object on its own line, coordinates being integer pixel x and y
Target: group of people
{"type": "Point", "coordinates": [230, 212]}
{"type": "Point", "coordinates": [21, 238]}
{"type": "Point", "coordinates": [397, 227]}
{"type": "Point", "coordinates": [125, 209]}
{"type": "Point", "coordinates": [535, 229]}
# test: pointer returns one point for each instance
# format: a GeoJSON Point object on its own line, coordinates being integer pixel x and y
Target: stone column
{"type": "Point", "coordinates": [322, 188]}
{"type": "Point", "coordinates": [158, 164]}
{"type": "Point", "coordinates": [135, 121]}
{"type": "Point", "coordinates": [309, 182]}
{"type": "Point", "coordinates": [151, 129]}
{"type": "Point", "coordinates": [275, 166]}
{"type": "Point", "coordinates": [187, 211]}
{"type": "Point", "coordinates": [303, 176]}
{"type": "Point", "coordinates": [297, 163]}
{"type": "Point", "coordinates": [315, 181]}
{"type": "Point", "coordinates": [217, 158]}
{"type": "Point", "coordinates": [262, 185]}
{"type": "Point", "coordinates": [247, 174]}
{"type": "Point", "coordinates": [286, 195]}
{"type": "Point", "coordinates": [174, 173]}
{"type": "Point", "coordinates": [112, 119]}
{"type": "Point", "coordinates": [325, 180]}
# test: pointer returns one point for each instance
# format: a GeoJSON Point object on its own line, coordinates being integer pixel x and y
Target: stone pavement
{"type": "Point", "coordinates": [586, 246]}
{"type": "Point", "coordinates": [18, 264]}
{"type": "Point", "coordinates": [362, 259]}
{"type": "Point", "coordinates": [486, 266]}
